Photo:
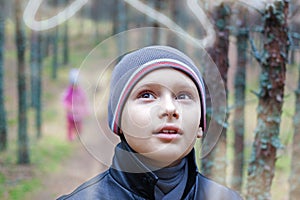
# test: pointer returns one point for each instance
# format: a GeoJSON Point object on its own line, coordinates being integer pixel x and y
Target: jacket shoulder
{"type": "Point", "coordinates": [87, 189]}
{"type": "Point", "coordinates": [103, 187]}
{"type": "Point", "coordinates": [208, 189]}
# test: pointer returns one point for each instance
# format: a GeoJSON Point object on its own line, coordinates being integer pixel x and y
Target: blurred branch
{"type": "Point", "coordinates": [163, 19]}
{"type": "Point", "coordinates": [33, 6]}
{"type": "Point", "coordinates": [201, 16]}
{"type": "Point", "coordinates": [256, 5]}
{"type": "Point", "coordinates": [254, 51]}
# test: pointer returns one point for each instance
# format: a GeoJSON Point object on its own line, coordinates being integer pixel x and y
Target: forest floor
{"type": "Point", "coordinates": [76, 169]}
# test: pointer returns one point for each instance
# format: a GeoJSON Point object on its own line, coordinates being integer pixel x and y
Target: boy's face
{"type": "Point", "coordinates": [161, 116]}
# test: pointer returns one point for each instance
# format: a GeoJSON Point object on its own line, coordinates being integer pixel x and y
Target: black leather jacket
{"type": "Point", "coordinates": [115, 184]}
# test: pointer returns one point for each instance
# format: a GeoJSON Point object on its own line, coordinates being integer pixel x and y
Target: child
{"type": "Point", "coordinates": [157, 107]}
{"type": "Point", "coordinates": [75, 103]}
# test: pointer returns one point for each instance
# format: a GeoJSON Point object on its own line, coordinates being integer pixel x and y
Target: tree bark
{"type": "Point", "coordinates": [66, 41]}
{"type": "Point", "coordinates": [294, 181]}
{"type": "Point", "coordinates": [122, 24]}
{"type": "Point", "coordinates": [177, 10]}
{"type": "Point", "coordinates": [55, 53]}
{"type": "Point", "coordinates": [66, 44]}
{"type": "Point", "coordinates": [55, 38]}
{"type": "Point", "coordinates": [272, 80]}
{"type": "Point", "coordinates": [23, 149]}
{"type": "Point", "coordinates": [3, 125]}
{"type": "Point", "coordinates": [239, 97]}
{"type": "Point", "coordinates": [156, 32]}
{"type": "Point", "coordinates": [38, 106]}
{"type": "Point", "coordinates": [36, 67]}
{"type": "Point", "coordinates": [214, 165]}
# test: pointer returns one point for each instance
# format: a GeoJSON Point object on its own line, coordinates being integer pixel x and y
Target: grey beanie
{"type": "Point", "coordinates": [133, 66]}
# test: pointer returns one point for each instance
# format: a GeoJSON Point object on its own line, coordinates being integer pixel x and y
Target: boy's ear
{"type": "Point", "coordinates": [200, 133]}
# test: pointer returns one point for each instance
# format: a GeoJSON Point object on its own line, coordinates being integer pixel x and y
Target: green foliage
{"type": "Point", "coordinates": [26, 186]}
{"type": "Point", "coordinates": [2, 181]}
{"type": "Point", "coordinates": [50, 150]}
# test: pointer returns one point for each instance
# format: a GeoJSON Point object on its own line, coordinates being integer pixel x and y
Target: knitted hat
{"type": "Point", "coordinates": [133, 66]}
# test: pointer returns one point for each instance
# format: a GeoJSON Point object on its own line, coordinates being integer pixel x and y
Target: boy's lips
{"type": "Point", "coordinates": [168, 132]}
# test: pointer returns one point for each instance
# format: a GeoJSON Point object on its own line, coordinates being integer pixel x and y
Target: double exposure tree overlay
{"type": "Point", "coordinates": [214, 165]}
{"type": "Point", "coordinates": [272, 80]}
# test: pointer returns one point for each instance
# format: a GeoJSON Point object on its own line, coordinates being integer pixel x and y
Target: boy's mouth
{"type": "Point", "coordinates": [168, 132]}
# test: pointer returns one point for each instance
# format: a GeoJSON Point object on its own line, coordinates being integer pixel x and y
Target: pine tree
{"type": "Point", "coordinates": [272, 80]}
{"type": "Point", "coordinates": [23, 148]}
{"type": "Point", "coordinates": [242, 36]}
{"type": "Point", "coordinates": [215, 164]}
{"type": "Point", "coordinates": [3, 125]}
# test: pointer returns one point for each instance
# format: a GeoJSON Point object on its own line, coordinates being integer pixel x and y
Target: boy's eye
{"type": "Point", "coordinates": [146, 95]}
{"type": "Point", "coordinates": [183, 96]}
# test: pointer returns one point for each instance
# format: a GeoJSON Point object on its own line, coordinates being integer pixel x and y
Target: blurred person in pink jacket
{"type": "Point", "coordinates": [75, 104]}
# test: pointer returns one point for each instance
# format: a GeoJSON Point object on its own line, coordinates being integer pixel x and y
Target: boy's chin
{"type": "Point", "coordinates": [162, 160]}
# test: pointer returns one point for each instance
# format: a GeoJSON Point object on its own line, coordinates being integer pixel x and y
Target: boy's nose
{"type": "Point", "coordinates": [168, 108]}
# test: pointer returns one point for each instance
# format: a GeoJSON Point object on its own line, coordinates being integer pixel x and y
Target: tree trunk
{"type": "Point", "coordinates": [156, 35]}
{"type": "Point", "coordinates": [294, 181]}
{"type": "Point", "coordinates": [121, 24]}
{"type": "Point", "coordinates": [239, 98]}
{"type": "Point", "coordinates": [33, 66]}
{"type": "Point", "coordinates": [148, 23]}
{"type": "Point", "coordinates": [55, 47]}
{"type": "Point", "coordinates": [66, 44]}
{"type": "Point", "coordinates": [36, 66]}
{"type": "Point", "coordinates": [115, 17]}
{"type": "Point", "coordinates": [95, 14]}
{"type": "Point", "coordinates": [55, 53]}
{"type": "Point", "coordinates": [85, 13]}
{"type": "Point", "coordinates": [46, 44]}
{"type": "Point", "coordinates": [272, 80]}
{"type": "Point", "coordinates": [66, 39]}
{"type": "Point", "coordinates": [176, 9]}
{"type": "Point", "coordinates": [214, 165]}
{"type": "Point", "coordinates": [3, 128]}
{"type": "Point", "coordinates": [38, 106]}
{"type": "Point", "coordinates": [23, 149]}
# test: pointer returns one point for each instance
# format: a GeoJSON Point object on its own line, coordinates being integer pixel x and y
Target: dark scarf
{"type": "Point", "coordinates": [171, 180]}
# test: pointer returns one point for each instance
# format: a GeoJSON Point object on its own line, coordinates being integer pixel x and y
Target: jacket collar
{"type": "Point", "coordinates": [131, 173]}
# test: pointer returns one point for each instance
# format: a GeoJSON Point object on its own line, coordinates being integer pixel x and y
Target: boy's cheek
{"type": "Point", "coordinates": [191, 114]}
{"type": "Point", "coordinates": [136, 118]}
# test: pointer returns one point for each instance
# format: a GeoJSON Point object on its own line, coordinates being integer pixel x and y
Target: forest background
{"type": "Point", "coordinates": [255, 46]}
